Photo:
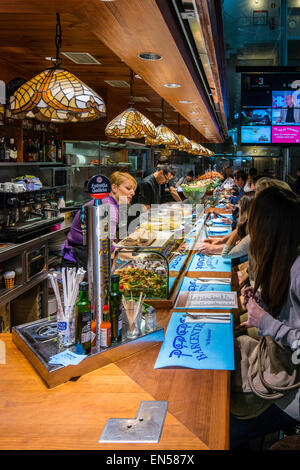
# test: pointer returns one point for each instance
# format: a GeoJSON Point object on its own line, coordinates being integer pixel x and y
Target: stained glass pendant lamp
{"type": "Point", "coordinates": [185, 144]}
{"type": "Point", "coordinates": [56, 95]}
{"type": "Point", "coordinates": [164, 135]}
{"type": "Point", "coordinates": [166, 152]}
{"type": "Point", "coordinates": [131, 123]}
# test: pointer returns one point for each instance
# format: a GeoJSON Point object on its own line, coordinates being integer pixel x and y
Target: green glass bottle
{"type": "Point", "coordinates": [115, 311]}
{"type": "Point", "coordinates": [83, 321]}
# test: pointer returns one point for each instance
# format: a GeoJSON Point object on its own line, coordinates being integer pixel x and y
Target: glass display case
{"type": "Point", "coordinates": [151, 259]}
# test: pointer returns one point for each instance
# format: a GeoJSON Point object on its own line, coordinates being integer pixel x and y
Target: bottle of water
{"type": "Point", "coordinates": [61, 205]}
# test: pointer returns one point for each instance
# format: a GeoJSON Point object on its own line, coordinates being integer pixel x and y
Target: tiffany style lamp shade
{"type": "Point", "coordinates": [56, 95]}
{"type": "Point", "coordinates": [130, 124]}
{"type": "Point", "coordinates": [165, 136]}
{"type": "Point", "coordinates": [166, 152]}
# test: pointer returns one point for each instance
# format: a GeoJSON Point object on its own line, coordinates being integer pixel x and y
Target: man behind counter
{"type": "Point", "coordinates": [149, 189]}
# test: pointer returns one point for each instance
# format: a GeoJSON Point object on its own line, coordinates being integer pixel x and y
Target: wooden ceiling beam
{"type": "Point", "coordinates": [114, 32]}
{"type": "Point", "coordinates": [131, 27]}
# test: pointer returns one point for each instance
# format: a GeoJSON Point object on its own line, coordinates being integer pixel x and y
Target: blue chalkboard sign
{"type": "Point", "coordinates": [215, 263]}
{"type": "Point", "coordinates": [197, 345]}
{"type": "Point", "coordinates": [193, 285]}
{"type": "Point", "coordinates": [171, 281]}
{"type": "Point", "coordinates": [177, 263]}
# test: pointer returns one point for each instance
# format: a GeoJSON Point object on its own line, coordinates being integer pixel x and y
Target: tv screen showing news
{"type": "Point", "coordinates": [270, 109]}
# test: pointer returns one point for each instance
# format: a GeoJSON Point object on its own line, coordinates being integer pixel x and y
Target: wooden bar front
{"type": "Point", "coordinates": [73, 415]}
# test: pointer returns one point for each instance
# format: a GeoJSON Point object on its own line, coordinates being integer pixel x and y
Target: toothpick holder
{"type": "Point", "coordinates": [135, 331]}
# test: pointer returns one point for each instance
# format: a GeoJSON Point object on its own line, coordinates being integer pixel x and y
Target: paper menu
{"type": "Point", "coordinates": [211, 299]}
{"type": "Point", "coordinates": [197, 345]}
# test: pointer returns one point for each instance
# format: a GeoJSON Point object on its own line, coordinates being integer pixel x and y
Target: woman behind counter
{"type": "Point", "coordinates": [73, 252]}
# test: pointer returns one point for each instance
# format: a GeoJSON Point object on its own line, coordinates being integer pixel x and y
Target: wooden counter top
{"type": "Point", "coordinates": [73, 415]}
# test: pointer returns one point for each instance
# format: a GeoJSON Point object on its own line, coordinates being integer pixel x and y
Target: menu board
{"type": "Point", "coordinates": [195, 285]}
{"type": "Point", "coordinates": [197, 345]}
{"type": "Point", "coordinates": [215, 263]}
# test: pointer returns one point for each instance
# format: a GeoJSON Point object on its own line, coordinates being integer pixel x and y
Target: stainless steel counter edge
{"type": "Point", "coordinates": [13, 249]}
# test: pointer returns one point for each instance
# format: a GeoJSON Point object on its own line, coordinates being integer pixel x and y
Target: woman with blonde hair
{"type": "Point", "coordinates": [123, 187]}
{"type": "Point", "coordinates": [265, 182]}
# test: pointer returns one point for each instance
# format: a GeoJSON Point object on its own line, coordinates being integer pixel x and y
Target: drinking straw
{"type": "Point", "coordinates": [58, 298]}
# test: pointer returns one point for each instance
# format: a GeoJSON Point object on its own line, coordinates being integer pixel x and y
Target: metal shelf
{"type": "Point", "coordinates": [32, 164]}
{"type": "Point", "coordinates": [7, 295]}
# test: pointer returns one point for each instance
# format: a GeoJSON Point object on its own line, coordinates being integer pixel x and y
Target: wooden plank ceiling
{"type": "Point", "coordinates": [114, 33]}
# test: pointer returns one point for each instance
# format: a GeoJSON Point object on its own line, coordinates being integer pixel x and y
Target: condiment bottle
{"type": "Point", "coordinates": [150, 319]}
{"type": "Point", "coordinates": [93, 328]}
{"type": "Point", "coordinates": [105, 329]}
{"type": "Point", "coordinates": [83, 321]}
{"type": "Point", "coordinates": [115, 310]}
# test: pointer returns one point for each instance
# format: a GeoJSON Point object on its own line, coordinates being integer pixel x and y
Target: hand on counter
{"type": "Point", "coordinates": [214, 241]}
{"type": "Point", "coordinates": [226, 221]}
{"type": "Point", "coordinates": [209, 249]}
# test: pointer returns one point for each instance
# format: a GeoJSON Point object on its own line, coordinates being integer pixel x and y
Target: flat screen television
{"type": "Point", "coordinates": [270, 109]}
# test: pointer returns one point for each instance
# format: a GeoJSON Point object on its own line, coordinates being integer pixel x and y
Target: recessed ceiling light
{"type": "Point", "coordinates": [172, 85]}
{"type": "Point", "coordinates": [185, 101]}
{"type": "Point", "coordinates": [138, 76]}
{"type": "Point", "coordinates": [193, 112]}
{"type": "Point", "coordinates": [150, 56]}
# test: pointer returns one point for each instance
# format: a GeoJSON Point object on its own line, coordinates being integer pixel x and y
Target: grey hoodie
{"type": "Point", "coordinates": [286, 329]}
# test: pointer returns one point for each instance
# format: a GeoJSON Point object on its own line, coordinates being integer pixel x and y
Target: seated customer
{"type": "Point", "coordinates": [273, 304]}
{"type": "Point", "coordinates": [123, 186]}
{"type": "Point", "coordinates": [240, 179]}
{"type": "Point", "coordinates": [237, 245]}
{"type": "Point", "coordinates": [228, 182]}
{"type": "Point", "coordinates": [250, 185]}
{"type": "Point", "coordinates": [227, 245]}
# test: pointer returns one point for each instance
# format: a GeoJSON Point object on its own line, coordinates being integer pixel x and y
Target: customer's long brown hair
{"type": "Point", "coordinates": [244, 208]}
{"type": "Point", "coordinates": [274, 229]}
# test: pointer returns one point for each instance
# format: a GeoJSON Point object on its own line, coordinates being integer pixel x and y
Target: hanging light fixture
{"type": "Point", "coordinates": [166, 152]}
{"type": "Point", "coordinates": [202, 150]}
{"type": "Point", "coordinates": [56, 95]}
{"type": "Point", "coordinates": [178, 145]}
{"type": "Point", "coordinates": [131, 123]}
{"type": "Point", "coordinates": [185, 143]}
{"type": "Point", "coordinates": [164, 135]}
{"type": "Point", "coordinates": [149, 141]}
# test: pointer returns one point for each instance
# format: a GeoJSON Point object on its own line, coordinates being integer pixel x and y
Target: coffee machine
{"type": "Point", "coordinates": [28, 213]}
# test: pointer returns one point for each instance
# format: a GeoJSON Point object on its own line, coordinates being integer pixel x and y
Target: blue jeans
{"type": "Point", "coordinates": [271, 420]}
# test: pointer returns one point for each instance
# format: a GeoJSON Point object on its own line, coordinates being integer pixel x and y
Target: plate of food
{"type": "Point", "coordinates": [140, 237]}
